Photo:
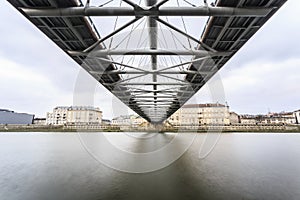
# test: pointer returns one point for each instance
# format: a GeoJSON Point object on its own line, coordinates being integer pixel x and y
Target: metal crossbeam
{"type": "Point", "coordinates": [146, 11]}
{"type": "Point", "coordinates": [163, 52]}
{"type": "Point", "coordinates": [151, 72]}
{"type": "Point", "coordinates": [111, 34]}
{"type": "Point", "coordinates": [159, 97]}
{"type": "Point", "coordinates": [151, 83]}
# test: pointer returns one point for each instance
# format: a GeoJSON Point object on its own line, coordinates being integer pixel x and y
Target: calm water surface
{"type": "Point", "coordinates": [241, 166]}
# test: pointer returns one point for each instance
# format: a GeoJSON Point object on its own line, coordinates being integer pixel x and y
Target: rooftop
{"type": "Point", "coordinates": [5, 110]}
{"type": "Point", "coordinates": [203, 105]}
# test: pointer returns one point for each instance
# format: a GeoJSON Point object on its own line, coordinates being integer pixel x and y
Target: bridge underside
{"type": "Point", "coordinates": [151, 64]}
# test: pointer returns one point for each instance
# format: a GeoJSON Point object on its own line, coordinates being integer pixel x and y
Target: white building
{"type": "Point", "coordinates": [297, 116]}
{"type": "Point", "coordinates": [128, 121]}
{"type": "Point", "coordinates": [58, 116]}
{"type": "Point", "coordinates": [74, 115]}
{"type": "Point", "coordinates": [175, 119]}
{"type": "Point", "coordinates": [123, 120]}
{"type": "Point", "coordinates": [248, 119]}
{"type": "Point", "coordinates": [201, 114]}
{"type": "Point", "coordinates": [280, 118]}
{"type": "Point", "coordinates": [84, 115]}
{"type": "Point", "coordinates": [39, 121]}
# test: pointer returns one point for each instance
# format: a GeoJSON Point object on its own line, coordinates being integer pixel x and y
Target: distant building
{"type": "Point", "coordinates": [248, 119]}
{"type": "Point", "coordinates": [58, 116]}
{"type": "Point", "coordinates": [74, 115]}
{"type": "Point", "coordinates": [137, 121]}
{"type": "Point", "coordinates": [128, 121]}
{"type": "Point", "coordinates": [289, 117]}
{"type": "Point", "coordinates": [84, 115]}
{"type": "Point", "coordinates": [122, 121]}
{"type": "Point", "coordinates": [297, 116]}
{"type": "Point", "coordinates": [11, 117]}
{"type": "Point", "coordinates": [234, 118]}
{"type": "Point", "coordinates": [106, 121]}
{"type": "Point", "coordinates": [175, 119]}
{"type": "Point", "coordinates": [279, 118]}
{"type": "Point", "coordinates": [201, 114]}
{"type": "Point", "coordinates": [39, 121]}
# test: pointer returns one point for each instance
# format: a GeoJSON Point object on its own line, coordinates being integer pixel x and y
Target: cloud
{"type": "Point", "coordinates": [26, 90]}
{"type": "Point", "coordinates": [276, 41]}
{"type": "Point", "coordinates": [257, 86]}
{"type": "Point", "coordinates": [22, 43]}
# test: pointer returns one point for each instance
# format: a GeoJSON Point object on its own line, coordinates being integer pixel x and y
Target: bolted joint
{"type": "Point", "coordinates": [139, 12]}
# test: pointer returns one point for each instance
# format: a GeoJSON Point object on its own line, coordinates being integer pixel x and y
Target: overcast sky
{"type": "Point", "coordinates": [36, 76]}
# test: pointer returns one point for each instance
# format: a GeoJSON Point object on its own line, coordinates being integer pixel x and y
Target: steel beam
{"type": "Point", "coordinates": [152, 27]}
{"type": "Point", "coordinates": [150, 72]}
{"type": "Point", "coordinates": [111, 34]}
{"type": "Point", "coordinates": [146, 11]}
{"type": "Point", "coordinates": [147, 97]}
{"type": "Point", "coordinates": [174, 52]}
{"type": "Point", "coordinates": [185, 63]}
{"type": "Point", "coordinates": [185, 34]}
{"type": "Point", "coordinates": [163, 101]}
{"type": "Point", "coordinates": [153, 104]}
{"type": "Point", "coordinates": [149, 83]}
{"type": "Point", "coordinates": [159, 106]}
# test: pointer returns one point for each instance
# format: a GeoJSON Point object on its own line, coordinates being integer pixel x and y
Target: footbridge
{"type": "Point", "coordinates": [151, 60]}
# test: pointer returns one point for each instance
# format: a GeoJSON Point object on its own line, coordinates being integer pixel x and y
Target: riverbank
{"type": "Point", "coordinates": [56, 128]}
{"type": "Point", "coordinates": [243, 128]}
{"type": "Point", "coordinates": [200, 129]}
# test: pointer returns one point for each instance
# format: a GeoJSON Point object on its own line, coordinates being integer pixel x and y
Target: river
{"type": "Point", "coordinates": [149, 166]}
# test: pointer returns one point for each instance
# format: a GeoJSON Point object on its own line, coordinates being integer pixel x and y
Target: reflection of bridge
{"type": "Point", "coordinates": [157, 71]}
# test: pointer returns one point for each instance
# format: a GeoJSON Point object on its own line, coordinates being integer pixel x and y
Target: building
{"type": "Point", "coordinates": [138, 121]}
{"type": "Point", "coordinates": [122, 121]}
{"type": "Point", "coordinates": [205, 114]}
{"type": "Point", "coordinates": [234, 118]}
{"type": "Point", "coordinates": [279, 118]}
{"type": "Point", "coordinates": [74, 115]}
{"type": "Point", "coordinates": [58, 116]}
{"type": "Point", "coordinates": [289, 117]}
{"type": "Point", "coordinates": [128, 121]}
{"type": "Point", "coordinates": [39, 121]}
{"type": "Point", "coordinates": [297, 116]}
{"type": "Point", "coordinates": [106, 122]}
{"type": "Point", "coordinates": [84, 115]}
{"type": "Point", "coordinates": [201, 114]}
{"type": "Point", "coordinates": [175, 118]}
{"type": "Point", "coordinates": [248, 119]}
{"type": "Point", "coordinates": [11, 117]}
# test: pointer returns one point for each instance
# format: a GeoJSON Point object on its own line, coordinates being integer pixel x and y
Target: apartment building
{"type": "Point", "coordinates": [201, 114]}
{"type": "Point", "coordinates": [74, 115]}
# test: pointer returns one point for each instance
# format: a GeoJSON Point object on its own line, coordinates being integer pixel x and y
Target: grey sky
{"type": "Point", "coordinates": [35, 75]}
